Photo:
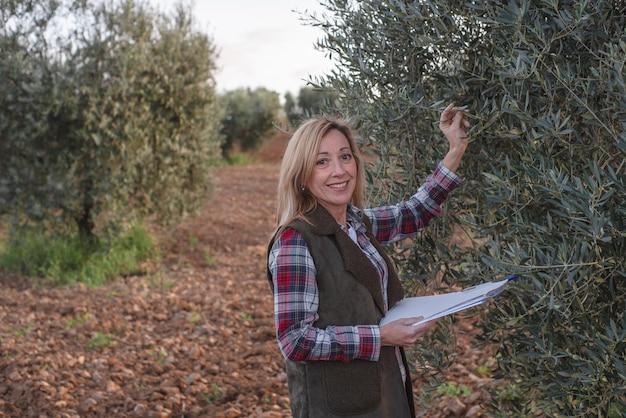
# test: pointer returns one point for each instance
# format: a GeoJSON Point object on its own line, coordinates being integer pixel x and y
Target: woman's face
{"type": "Point", "coordinates": [334, 175]}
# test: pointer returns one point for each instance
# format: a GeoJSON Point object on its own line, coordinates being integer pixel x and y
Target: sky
{"type": "Point", "coordinates": [261, 43]}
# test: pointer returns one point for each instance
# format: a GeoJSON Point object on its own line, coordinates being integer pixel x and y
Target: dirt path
{"type": "Point", "coordinates": [193, 337]}
{"type": "Point", "coordinates": [189, 339]}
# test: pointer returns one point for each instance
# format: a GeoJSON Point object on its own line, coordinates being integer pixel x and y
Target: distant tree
{"type": "Point", "coordinates": [108, 112]}
{"type": "Point", "coordinates": [545, 192]}
{"type": "Point", "coordinates": [249, 115]}
{"type": "Point", "coordinates": [291, 107]}
{"type": "Point", "coordinates": [314, 100]}
{"type": "Point", "coordinates": [310, 101]}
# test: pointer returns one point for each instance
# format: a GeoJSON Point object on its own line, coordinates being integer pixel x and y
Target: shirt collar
{"type": "Point", "coordinates": [354, 216]}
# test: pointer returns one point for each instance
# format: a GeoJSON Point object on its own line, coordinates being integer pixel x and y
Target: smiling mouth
{"type": "Point", "coordinates": [338, 185]}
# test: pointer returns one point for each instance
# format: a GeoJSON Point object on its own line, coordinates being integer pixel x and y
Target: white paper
{"type": "Point", "coordinates": [436, 306]}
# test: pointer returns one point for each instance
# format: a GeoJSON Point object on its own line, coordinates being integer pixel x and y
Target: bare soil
{"type": "Point", "coordinates": [193, 336]}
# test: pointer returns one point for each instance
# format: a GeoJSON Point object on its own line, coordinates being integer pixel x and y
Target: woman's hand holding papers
{"type": "Point", "coordinates": [403, 332]}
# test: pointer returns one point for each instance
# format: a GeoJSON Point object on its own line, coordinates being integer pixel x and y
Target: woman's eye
{"type": "Point", "coordinates": [323, 161]}
{"type": "Point", "coordinates": [346, 156]}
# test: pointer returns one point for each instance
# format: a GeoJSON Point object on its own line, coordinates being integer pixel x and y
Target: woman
{"type": "Point", "coordinates": [333, 282]}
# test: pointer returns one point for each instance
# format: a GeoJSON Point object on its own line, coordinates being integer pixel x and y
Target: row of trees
{"type": "Point", "coordinates": [251, 115]}
{"type": "Point", "coordinates": [109, 113]}
{"type": "Point", "coordinates": [545, 190]}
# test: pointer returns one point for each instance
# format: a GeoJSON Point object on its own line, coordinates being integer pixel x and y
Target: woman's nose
{"type": "Point", "coordinates": [338, 167]}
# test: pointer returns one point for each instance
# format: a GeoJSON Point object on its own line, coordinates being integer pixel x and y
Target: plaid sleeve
{"type": "Point", "coordinates": [296, 301]}
{"type": "Point", "coordinates": [405, 219]}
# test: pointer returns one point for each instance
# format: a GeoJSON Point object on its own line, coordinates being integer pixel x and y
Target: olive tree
{"type": "Point", "coordinates": [545, 189]}
{"type": "Point", "coordinates": [108, 112]}
{"type": "Point", "coordinates": [249, 116]}
{"type": "Point", "coordinates": [310, 102]}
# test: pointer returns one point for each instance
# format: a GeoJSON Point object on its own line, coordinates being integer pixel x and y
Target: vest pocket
{"type": "Point", "coordinates": [352, 387]}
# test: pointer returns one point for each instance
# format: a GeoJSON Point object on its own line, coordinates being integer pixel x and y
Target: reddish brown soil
{"type": "Point", "coordinates": [192, 337]}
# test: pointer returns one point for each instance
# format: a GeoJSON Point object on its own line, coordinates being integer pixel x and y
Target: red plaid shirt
{"type": "Point", "coordinates": [295, 288]}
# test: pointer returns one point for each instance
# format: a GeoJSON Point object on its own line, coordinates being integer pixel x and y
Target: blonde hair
{"type": "Point", "coordinates": [298, 162]}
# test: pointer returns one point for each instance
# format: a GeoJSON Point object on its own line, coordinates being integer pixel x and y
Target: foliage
{"type": "Point", "coordinates": [545, 191]}
{"type": "Point", "coordinates": [249, 115]}
{"type": "Point", "coordinates": [79, 320]}
{"type": "Point", "coordinates": [310, 101]}
{"type": "Point", "coordinates": [67, 259]}
{"type": "Point", "coordinates": [450, 389]}
{"type": "Point", "coordinates": [214, 394]}
{"type": "Point", "coordinates": [108, 112]}
{"type": "Point", "coordinates": [290, 106]}
{"type": "Point", "coordinates": [100, 340]}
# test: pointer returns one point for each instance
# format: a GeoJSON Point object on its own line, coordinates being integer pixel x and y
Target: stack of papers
{"type": "Point", "coordinates": [435, 306]}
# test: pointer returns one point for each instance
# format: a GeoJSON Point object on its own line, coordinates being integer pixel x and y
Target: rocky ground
{"type": "Point", "coordinates": [192, 336]}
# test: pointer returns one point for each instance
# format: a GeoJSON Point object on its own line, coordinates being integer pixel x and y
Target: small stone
{"type": "Point", "coordinates": [90, 403]}
{"type": "Point", "coordinates": [139, 409]}
{"type": "Point", "coordinates": [456, 406]}
{"type": "Point", "coordinates": [473, 412]}
{"type": "Point", "coordinates": [112, 386]}
{"type": "Point", "coordinates": [232, 413]}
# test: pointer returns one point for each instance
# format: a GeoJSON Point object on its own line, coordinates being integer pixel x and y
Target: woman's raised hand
{"type": "Point", "coordinates": [453, 125]}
